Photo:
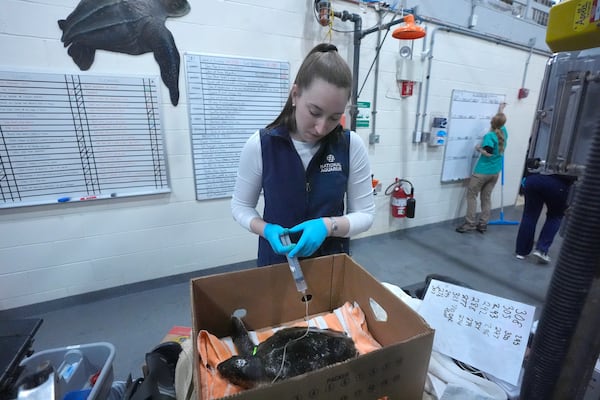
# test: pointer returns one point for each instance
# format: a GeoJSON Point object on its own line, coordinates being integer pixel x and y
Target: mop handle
{"type": "Point", "coordinates": [502, 186]}
{"type": "Point", "coordinates": [502, 178]}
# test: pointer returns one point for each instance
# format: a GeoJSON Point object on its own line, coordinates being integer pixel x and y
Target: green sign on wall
{"type": "Point", "coordinates": [364, 114]}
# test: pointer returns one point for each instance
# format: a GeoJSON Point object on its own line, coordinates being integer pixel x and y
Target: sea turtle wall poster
{"type": "Point", "coordinates": [125, 26]}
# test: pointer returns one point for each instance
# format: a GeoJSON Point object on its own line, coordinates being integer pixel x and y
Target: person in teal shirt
{"type": "Point", "coordinates": [485, 175]}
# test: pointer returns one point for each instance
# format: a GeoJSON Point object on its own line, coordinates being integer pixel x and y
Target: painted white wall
{"type": "Point", "coordinates": [54, 251]}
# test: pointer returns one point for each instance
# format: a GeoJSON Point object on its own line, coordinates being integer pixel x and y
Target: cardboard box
{"type": "Point", "coordinates": [269, 296]}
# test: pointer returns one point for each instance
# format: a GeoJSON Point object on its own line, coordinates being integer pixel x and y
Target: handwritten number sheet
{"type": "Point", "coordinates": [78, 136]}
{"type": "Point", "coordinates": [485, 331]}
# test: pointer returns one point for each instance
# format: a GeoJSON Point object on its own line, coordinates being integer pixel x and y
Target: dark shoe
{"type": "Point", "coordinates": [465, 228]}
{"type": "Point", "coordinates": [481, 228]}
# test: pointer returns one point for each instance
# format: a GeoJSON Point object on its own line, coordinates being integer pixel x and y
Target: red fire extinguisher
{"type": "Point", "coordinates": [402, 202]}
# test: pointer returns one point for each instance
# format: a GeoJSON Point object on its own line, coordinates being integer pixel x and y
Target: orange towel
{"type": "Point", "coordinates": [212, 350]}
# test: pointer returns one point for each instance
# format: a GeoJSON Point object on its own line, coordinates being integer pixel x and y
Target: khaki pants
{"type": "Point", "coordinates": [482, 184]}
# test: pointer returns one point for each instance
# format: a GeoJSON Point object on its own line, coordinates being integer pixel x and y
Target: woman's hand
{"type": "Point", "coordinates": [314, 232]}
{"type": "Point", "coordinates": [482, 150]}
{"type": "Point", "coordinates": [272, 233]}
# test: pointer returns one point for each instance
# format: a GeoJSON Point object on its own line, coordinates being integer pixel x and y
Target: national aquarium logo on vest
{"type": "Point", "coordinates": [331, 165]}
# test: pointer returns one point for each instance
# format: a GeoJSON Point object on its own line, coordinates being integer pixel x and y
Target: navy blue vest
{"type": "Point", "coordinates": [293, 196]}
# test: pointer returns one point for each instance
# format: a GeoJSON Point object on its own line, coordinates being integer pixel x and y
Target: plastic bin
{"type": "Point", "coordinates": [75, 365]}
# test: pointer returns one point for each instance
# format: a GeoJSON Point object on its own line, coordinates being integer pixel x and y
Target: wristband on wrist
{"type": "Point", "coordinates": [334, 226]}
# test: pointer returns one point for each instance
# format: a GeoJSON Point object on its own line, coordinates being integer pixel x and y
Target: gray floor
{"type": "Point", "coordinates": [136, 318]}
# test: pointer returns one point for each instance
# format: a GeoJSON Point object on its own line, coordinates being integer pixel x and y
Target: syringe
{"type": "Point", "coordinates": [295, 267]}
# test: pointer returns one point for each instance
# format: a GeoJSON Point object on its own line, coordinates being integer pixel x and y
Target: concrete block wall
{"type": "Point", "coordinates": [55, 251]}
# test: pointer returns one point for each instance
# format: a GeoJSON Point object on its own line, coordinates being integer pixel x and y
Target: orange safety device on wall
{"type": "Point", "coordinates": [409, 30]}
{"type": "Point", "coordinates": [402, 202]}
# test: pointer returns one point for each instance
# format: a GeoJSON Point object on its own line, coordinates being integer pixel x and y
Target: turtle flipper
{"type": "Point", "coordinates": [241, 338]}
{"type": "Point", "coordinates": [161, 42]}
{"type": "Point", "coordinates": [82, 55]}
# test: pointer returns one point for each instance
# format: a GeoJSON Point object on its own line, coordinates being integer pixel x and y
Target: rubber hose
{"type": "Point", "coordinates": [575, 270]}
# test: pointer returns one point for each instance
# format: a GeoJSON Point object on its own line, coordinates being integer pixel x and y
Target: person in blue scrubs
{"type": "Point", "coordinates": [553, 192]}
{"type": "Point", "coordinates": [314, 175]}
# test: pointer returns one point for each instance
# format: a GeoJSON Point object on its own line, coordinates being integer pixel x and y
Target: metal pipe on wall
{"type": "Point", "coordinates": [456, 29]}
{"type": "Point", "coordinates": [355, 69]}
{"type": "Point", "coordinates": [531, 43]}
{"type": "Point", "coordinates": [374, 137]}
{"type": "Point", "coordinates": [429, 54]}
{"type": "Point", "coordinates": [484, 36]}
{"type": "Point", "coordinates": [417, 136]}
{"type": "Point", "coordinates": [346, 16]}
{"type": "Point", "coordinates": [358, 35]}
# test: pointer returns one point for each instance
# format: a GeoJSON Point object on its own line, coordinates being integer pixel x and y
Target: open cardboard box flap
{"type": "Point", "coordinates": [269, 297]}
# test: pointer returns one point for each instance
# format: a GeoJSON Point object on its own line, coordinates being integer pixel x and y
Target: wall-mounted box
{"type": "Point", "coordinates": [439, 131]}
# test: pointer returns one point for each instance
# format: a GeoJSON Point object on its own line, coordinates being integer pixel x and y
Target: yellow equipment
{"type": "Point", "coordinates": [574, 25]}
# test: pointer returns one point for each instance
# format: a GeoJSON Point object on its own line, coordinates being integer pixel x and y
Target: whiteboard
{"type": "Point", "coordinates": [470, 115]}
{"type": "Point", "coordinates": [66, 138]}
{"type": "Point", "coordinates": [230, 98]}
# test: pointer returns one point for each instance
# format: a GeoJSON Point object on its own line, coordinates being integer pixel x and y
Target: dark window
{"type": "Point", "coordinates": [540, 17]}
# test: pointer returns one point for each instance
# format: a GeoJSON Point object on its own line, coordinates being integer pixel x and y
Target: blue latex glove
{"type": "Point", "coordinates": [314, 232]}
{"type": "Point", "coordinates": [272, 233]}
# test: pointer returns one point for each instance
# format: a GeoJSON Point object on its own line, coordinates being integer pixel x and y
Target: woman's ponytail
{"type": "Point", "coordinates": [498, 122]}
{"type": "Point", "coordinates": [500, 136]}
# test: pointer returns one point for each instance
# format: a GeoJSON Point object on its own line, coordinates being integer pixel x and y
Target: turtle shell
{"type": "Point", "coordinates": [287, 353]}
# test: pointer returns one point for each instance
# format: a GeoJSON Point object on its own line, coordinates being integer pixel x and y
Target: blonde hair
{"type": "Point", "coordinates": [498, 122]}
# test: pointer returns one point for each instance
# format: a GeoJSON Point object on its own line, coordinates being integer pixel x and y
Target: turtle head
{"type": "Point", "coordinates": [176, 8]}
{"type": "Point", "coordinates": [246, 372]}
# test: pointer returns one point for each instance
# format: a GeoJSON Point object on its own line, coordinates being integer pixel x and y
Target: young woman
{"type": "Point", "coordinates": [485, 175]}
{"type": "Point", "coordinates": [315, 176]}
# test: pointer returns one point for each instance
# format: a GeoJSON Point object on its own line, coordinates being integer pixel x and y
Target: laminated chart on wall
{"type": "Point", "coordinates": [230, 98]}
{"type": "Point", "coordinates": [470, 115]}
{"type": "Point", "coordinates": [67, 138]}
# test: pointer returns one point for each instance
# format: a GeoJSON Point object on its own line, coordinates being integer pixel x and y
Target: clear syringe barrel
{"type": "Point", "coordinates": [295, 267]}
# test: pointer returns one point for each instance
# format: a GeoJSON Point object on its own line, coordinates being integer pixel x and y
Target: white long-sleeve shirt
{"type": "Point", "coordinates": [360, 206]}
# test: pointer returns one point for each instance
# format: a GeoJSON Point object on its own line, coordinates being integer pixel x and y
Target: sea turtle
{"type": "Point", "coordinates": [125, 26]}
{"type": "Point", "coordinates": [305, 351]}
